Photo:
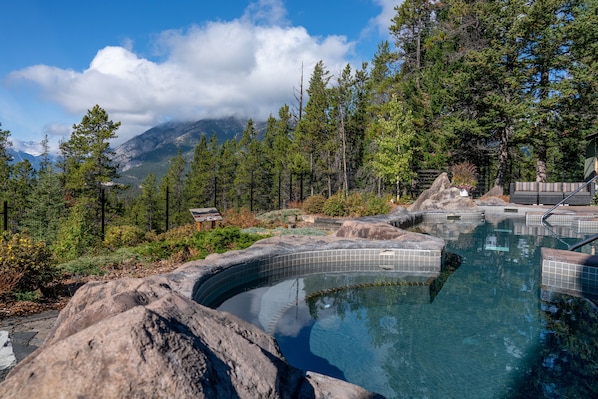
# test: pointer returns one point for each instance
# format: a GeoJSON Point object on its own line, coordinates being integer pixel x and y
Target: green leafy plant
{"type": "Point", "coordinates": [314, 204]}
{"type": "Point", "coordinates": [123, 236]}
{"type": "Point", "coordinates": [335, 205]}
{"type": "Point", "coordinates": [98, 265]}
{"type": "Point", "coordinates": [25, 265]}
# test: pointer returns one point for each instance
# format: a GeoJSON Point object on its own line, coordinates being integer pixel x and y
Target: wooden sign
{"type": "Point", "coordinates": [201, 215]}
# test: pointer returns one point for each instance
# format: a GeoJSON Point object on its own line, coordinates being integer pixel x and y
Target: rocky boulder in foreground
{"type": "Point", "coordinates": [137, 338]}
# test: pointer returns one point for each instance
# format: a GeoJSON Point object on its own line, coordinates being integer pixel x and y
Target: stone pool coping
{"type": "Point", "coordinates": [412, 252]}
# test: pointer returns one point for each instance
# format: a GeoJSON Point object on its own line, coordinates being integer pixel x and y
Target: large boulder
{"type": "Point", "coordinates": [137, 338]}
{"type": "Point", "coordinates": [441, 196]}
{"type": "Point", "coordinates": [379, 231]}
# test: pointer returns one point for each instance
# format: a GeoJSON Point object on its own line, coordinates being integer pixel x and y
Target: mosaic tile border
{"type": "Point", "coordinates": [440, 217]}
{"type": "Point", "coordinates": [576, 275]}
{"type": "Point", "coordinates": [275, 268]}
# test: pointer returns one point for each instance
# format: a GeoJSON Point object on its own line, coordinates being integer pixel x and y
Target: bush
{"type": "Point", "coordinates": [314, 204]}
{"type": "Point", "coordinates": [355, 204]}
{"type": "Point", "coordinates": [24, 265]}
{"type": "Point", "coordinates": [78, 234]}
{"type": "Point", "coordinates": [123, 236]}
{"type": "Point", "coordinates": [198, 245]}
{"type": "Point", "coordinates": [242, 218]}
{"type": "Point", "coordinates": [100, 264]}
{"type": "Point", "coordinates": [220, 240]}
{"type": "Point", "coordinates": [335, 206]}
{"type": "Point", "coordinates": [375, 205]}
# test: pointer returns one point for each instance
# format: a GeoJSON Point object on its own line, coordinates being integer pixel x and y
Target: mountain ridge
{"type": "Point", "coordinates": [151, 151]}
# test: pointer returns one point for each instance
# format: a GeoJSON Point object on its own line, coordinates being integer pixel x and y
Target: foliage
{"type": "Point", "coordinates": [393, 133]}
{"type": "Point", "coordinates": [314, 204]}
{"type": "Point", "coordinates": [78, 234]}
{"type": "Point", "coordinates": [87, 157]}
{"type": "Point", "coordinates": [375, 205]}
{"type": "Point", "coordinates": [282, 216]}
{"type": "Point", "coordinates": [335, 205]}
{"type": "Point", "coordinates": [465, 175]}
{"type": "Point", "coordinates": [123, 236]}
{"type": "Point", "coordinates": [98, 265]}
{"type": "Point", "coordinates": [356, 205]}
{"type": "Point", "coordinates": [240, 217]}
{"type": "Point", "coordinates": [25, 265]}
{"type": "Point", "coordinates": [198, 245]}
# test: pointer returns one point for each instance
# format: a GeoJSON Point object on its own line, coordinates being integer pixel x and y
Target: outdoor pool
{"type": "Point", "coordinates": [487, 329]}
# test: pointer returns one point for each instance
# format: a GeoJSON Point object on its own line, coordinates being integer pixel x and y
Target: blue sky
{"type": "Point", "coordinates": [153, 61]}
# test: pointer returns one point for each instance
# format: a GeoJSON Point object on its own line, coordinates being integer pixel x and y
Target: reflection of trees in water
{"type": "Point", "coordinates": [567, 365]}
{"type": "Point", "coordinates": [456, 232]}
{"type": "Point", "coordinates": [364, 292]}
{"type": "Point", "coordinates": [551, 347]}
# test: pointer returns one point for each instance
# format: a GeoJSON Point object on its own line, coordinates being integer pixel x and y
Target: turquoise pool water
{"type": "Point", "coordinates": [485, 330]}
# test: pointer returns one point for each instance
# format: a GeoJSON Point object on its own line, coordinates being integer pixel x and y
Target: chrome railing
{"type": "Point", "coordinates": [549, 212]}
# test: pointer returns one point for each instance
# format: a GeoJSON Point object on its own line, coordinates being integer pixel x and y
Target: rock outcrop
{"type": "Point", "coordinates": [379, 231]}
{"type": "Point", "coordinates": [441, 196]}
{"type": "Point", "coordinates": [137, 338]}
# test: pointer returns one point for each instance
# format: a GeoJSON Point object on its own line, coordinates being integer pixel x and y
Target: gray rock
{"type": "Point", "coordinates": [441, 196]}
{"type": "Point", "coordinates": [138, 339]}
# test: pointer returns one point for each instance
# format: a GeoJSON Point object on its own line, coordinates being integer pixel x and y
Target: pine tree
{"type": "Point", "coordinates": [149, 204]}
{"type": "Point", "coordinates": [5, 159]}
{"type": "Point", "coordinates": [43, 218]}
{"type": "Point", "coordinates": [226, 165]}
{"type": "Point", "coordinates": [172, 186]}
{"type": "Point", "coordinates": [19, 195]}
{"type": "Point", "coordinates": [87, 157]}
{"type": "Point", "coordinates": [394, 133]}
{"type": "Point", "coordinates": [201, 178]}
{"type": "Point", "coordinates": [312, 135]}
{"type": "Point", "coordinates": [87, 167]}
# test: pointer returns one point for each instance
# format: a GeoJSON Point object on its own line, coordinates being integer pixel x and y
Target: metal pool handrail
{"type": "Point", "coordinates": [549, 212]}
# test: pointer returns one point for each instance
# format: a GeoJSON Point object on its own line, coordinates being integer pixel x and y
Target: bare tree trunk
{"type": "Point", "coordinates": [344, 143]}
{"type": "Point", "coordinates": [299, 96]}
{"type": "Point", "coordinates": [541, 164]}
{"type": "Point", "coordinates": [503, 157]}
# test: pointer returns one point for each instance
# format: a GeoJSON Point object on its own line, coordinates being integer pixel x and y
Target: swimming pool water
{"type": "Point", "coordinates": [490, 331]}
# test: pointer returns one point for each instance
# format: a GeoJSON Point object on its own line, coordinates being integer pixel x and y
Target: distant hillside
{"type": "Point", "coordinates": [151, 151]}
{"type": "Point", "coordinates": [34, 160]}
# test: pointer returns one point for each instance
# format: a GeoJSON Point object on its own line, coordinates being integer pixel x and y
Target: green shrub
{"type": "Point", "coordinates": [375, 205]}
{"type": "Point", "coordinates": [123, 236]}
{"type": "Point", "coordinates": [198, 245]}
{"type": "Point", "coordinates": [25, 265]}
{"type": "Point", "coordinates": [335, 206]}
{"type": "Point", "coordinates": [355, 204]}
{"type": "Point", "coordinates": [78, 234]}
{"type": "Point", "coordinates": [220, 240]}
{"type": "Point", "coordinates": [314, 204]}
{"type": "Point", "coordinates": [98, 265]}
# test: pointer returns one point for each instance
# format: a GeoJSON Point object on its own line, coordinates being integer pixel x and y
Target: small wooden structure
{"type": "Point", "coordinates": [201, 215]}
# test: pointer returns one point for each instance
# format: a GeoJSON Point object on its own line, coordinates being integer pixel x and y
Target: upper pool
{"type": "Point", "coordinates": [486, 330]}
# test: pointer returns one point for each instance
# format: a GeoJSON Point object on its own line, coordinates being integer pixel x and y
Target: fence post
{"type": "Point", "coordinates": [5, 213]}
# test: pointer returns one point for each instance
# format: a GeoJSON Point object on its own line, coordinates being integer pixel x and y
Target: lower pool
{"type": "Point", "coordinates": [486, 330]}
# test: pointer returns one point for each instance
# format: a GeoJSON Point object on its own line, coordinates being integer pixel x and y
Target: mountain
{"type": "Point", "coordinates": [34, 158]}
{"type": "Point", "coordinates": [151, 151]}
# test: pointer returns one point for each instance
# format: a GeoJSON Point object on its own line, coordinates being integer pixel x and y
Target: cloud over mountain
{"type": "Point", "coordinates": [247, 67]}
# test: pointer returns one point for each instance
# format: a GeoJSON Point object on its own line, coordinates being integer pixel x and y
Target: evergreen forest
{"type": "Point", "coordinates": [509, 86]}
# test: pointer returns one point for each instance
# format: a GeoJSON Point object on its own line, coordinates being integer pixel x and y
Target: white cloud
{"type": "Point", "coordinates": [219, 69]}
{"type": "Point", "coordinates": [383, 20]}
